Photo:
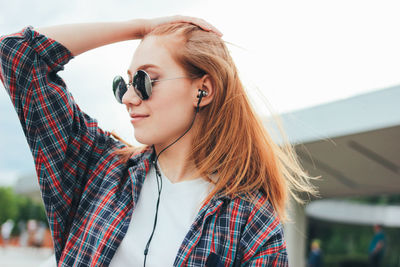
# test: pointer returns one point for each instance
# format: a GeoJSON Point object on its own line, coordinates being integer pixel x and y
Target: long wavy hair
{"type": "Point", "coordinates": [230, 139]}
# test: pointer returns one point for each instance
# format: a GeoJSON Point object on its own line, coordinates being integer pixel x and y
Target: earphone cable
{"type": "Point", "coordinates": [159, 181]}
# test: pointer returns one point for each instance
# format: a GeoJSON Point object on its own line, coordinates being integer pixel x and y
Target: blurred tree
{"type": "Point", "coordinates": [19, 208]}
{"type": "Point", "coordinates": [8, 204]}
{"type": "Point", "coordinates": [378, 200]}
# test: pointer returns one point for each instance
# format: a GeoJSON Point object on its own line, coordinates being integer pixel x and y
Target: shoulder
{"type": "Point", "coordinates": [255, 207]}
{"type": "Point", "coordinates": [255, 215]}
{"type": "Point", "coordinates": [381, 236]}
{"type": "Point", "coordinates": [262, 216]}
{"type": "Point", "coordinates": [262, 232]}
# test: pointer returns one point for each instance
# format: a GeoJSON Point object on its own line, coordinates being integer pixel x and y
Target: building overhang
{"type": "Point", "coordinates": [353, 144]}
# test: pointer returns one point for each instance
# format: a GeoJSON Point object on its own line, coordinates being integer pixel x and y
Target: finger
{"type": "Point", "coordinates": [215, 30]}
{"type": "Point", "coordinates": [202, 24]}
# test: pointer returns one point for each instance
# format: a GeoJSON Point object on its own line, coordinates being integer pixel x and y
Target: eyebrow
{"type": "Point", "coordinates": [144, 67]}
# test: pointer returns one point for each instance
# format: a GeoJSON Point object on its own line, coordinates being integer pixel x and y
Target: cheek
{"type": "Point", "coordinates": [172, 102]}
{"type": "Point", "coordinates": [170, 116]}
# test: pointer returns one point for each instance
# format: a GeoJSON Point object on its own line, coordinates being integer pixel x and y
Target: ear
{"type": "Point", "coordinates": [206, 84]}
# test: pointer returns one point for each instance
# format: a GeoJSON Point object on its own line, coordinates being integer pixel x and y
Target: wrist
{"type": "Point", "coordinates": [137, 28]}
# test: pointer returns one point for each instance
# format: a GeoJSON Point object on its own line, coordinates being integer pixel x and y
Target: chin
{"type": "Point", "coordinates": [146, 137]}
{"type": "Point", "coordinates": [145, 140]}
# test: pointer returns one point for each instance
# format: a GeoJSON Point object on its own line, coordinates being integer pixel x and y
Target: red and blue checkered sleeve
{"type": "Point", "coordinates": [64, 141]}
{"type": "Point", "coordinates": [270, 254]}
{"type": "Point", "coordinates": [263, 238]}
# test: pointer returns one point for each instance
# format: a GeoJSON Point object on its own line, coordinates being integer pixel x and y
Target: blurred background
{"type": "Point", "coordinates": [329, 69]}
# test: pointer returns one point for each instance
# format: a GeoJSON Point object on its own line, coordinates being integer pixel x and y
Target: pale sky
{"type": "Point", "coordinates": [297, 53]}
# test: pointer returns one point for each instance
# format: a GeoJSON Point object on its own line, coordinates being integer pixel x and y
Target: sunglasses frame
{"type": "Point", "coordinates": [120, 87]}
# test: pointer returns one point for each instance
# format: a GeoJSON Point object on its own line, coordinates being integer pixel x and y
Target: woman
{"type": "Point", "coordinates": [208, 189]}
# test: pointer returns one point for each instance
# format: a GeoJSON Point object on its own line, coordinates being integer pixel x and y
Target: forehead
{"type": "Point", "coordinates": [154, 50]}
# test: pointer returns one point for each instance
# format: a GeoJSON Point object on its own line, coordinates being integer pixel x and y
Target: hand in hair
{"type": "Point", "coordinates": [79, 38]}
{"type": "Point", "coordinates": [150, 24]}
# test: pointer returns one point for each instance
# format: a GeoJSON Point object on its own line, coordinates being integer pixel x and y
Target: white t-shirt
{"type": "Point", "coordinates": [179, 205]}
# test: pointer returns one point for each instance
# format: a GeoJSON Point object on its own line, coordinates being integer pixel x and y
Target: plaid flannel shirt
{"type": "Point", "coordinates": [89, 196]}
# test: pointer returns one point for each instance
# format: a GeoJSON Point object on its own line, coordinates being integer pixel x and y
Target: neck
{"type": "Point", "coordinates": [174, 160]}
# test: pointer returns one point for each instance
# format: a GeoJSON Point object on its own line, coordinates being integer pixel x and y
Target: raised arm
{"type": "Point", "coordinates": [67, 145]}
{"type": "Point", "coordinates": [79, 38]}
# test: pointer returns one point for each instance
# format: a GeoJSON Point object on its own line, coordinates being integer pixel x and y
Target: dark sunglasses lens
{"type": "Point", "coordinates": [119, 88]}
{"type": "Point", "coordinates": [142, 84]}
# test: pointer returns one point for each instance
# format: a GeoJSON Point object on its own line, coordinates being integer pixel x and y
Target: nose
{"type": "Point", "coordinates": [131, 98]}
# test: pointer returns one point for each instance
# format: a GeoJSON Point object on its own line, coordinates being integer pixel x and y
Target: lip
{"type": "Point", "coordinates": [135, 117]}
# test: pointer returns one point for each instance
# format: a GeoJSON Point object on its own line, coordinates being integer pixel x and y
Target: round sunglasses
{"type": "Point", "coordinates": [141, 82]}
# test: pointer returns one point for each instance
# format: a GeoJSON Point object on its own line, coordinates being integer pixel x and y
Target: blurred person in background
{"type": "Point", "coordinates": [209, 188]}
{"type": "Point", "coordinates": [377, 247]}
{"type": "Point", "coordinates": [315, 258]}
{"type": "Point", "coordinates": [6, 229]}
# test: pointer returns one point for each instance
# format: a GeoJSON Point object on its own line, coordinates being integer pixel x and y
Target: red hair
{"type": "Point", "coordinates": [230, 140]}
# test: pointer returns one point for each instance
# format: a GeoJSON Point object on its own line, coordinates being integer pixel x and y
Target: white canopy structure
{"type": "Point", "coordinates": [354, 213]}
{"type": "Point", "coordinates": [354, 145]}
